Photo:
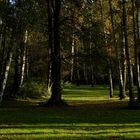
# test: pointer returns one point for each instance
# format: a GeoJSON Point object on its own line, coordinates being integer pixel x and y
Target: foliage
{"type": "Point", "coordinates": [66, 84]}
{"type": "Point", "coordinates": [85, 24]}
{"type": "Point", "coordinates": [32, 89]}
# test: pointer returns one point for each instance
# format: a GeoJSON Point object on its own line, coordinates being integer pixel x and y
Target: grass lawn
{"type": "Point", "coordinates": [90, 115]}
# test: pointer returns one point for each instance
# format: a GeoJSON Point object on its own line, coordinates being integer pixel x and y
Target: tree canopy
{"type": "Point", "coordinates": [81, 41]}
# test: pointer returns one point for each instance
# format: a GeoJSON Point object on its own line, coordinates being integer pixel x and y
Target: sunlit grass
{"type": "Point", "coordinates": [90, 115]}
{"type": "Point", "coordinates": [88, 93]}
{"type": "Point", "coordinates": [72, 131]}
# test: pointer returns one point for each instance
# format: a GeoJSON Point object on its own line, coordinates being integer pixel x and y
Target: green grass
{"type": "Point", "coordinates": [87, 93]}
{"type": "Point", "coordinates": [90, 115]}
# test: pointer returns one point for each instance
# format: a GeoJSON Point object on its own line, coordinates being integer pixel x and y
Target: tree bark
{"type": "Point", "coordinates": [111, 91]}
{"type": "Point", "coordinates": [121, 82]}
{"type": "Point", "coordinates": [72, 59]}
{"type": "Point", "coordinates": [85, 73]}
{"type": "Point", "coordinates": [5, 74]}
{"type": "Point", "coordinates": [54, 43]}
{"type": "Point", "coordinates": [124, 68]}
{"type": "Point", "coordinates": [77, 68]}
{"type": "Point", "coordinates": [20, 60]}
{"type": "Point", "coordinates": [92, 80]}
{"type": "Point", "coordinates": [136, 43]}
{"type": "Point", "coordinates": [49, 82]}
{"type": "Point", "coordinates": [127, 49]}
{"type": "Point", "coordinates": [23, 58]}
{"type": "Point", "coordinates": [6, 68]}
{"type": "Point", "coordinates": [3, 43]}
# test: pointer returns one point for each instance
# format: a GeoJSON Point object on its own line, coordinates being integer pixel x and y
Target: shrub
{"type": "Point", "coordinates": [66, 84]}
{"type": "Point", "coordinates": [32, 89]}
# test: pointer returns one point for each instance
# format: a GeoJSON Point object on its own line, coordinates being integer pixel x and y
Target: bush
{"type": "Point", "coordinates": [32, 89]}
{"type": "Point", "coordinates": [66, 84]}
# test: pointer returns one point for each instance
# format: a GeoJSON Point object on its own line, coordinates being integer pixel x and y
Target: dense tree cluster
{"type": "Point", "coordinates": [80, 41]}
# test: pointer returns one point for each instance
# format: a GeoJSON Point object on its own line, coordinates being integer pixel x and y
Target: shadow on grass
{"type": "Point", "coordinates": [75, 127]}
{"type": "Point", "coordinates": [107, 112]}
{"type": "Point", "coordinates": [80, 120]}
{"type": "Point", "coordinates": [68, 133]}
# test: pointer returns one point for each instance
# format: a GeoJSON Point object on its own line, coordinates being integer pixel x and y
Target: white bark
{"type": "Point", "coordinates": [5, 76]}
{"type": "Point", "coordinates": [72, 53]}
{"type": "Point", "coordinates": [24, 58]}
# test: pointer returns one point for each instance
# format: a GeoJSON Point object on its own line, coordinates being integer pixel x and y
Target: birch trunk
{"type": "Point", "coordinates": [121, 81]}
{"type": "Point", "coordinates": [5, 75]}
{"type": "Point", "coordinates": [137, 43]}
{"type": "Point", "coordinates": [23, 58]}
{"type": "Point", "coordinates": [127, 49]}
{"type": "Point", "coordinates": [20, 60]}
{"type": "Point", "coordinates": [72, 60]}
{"type": "Point", "coordinates": [6, 68]}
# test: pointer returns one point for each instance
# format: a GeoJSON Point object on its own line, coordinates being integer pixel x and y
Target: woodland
{"type": "Point", "coordinates": [46, 44]}
{"type": "Point", "coordinates": [69, 69]}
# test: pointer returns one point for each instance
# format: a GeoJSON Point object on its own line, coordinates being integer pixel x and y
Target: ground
{"type": "Point", "coordinates": [90, 115]}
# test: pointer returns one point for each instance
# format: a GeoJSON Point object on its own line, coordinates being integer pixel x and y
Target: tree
{"type": "Point", "coordinates": [6, 68]}
{"type": "Point", "coordinates": [136, 43]}
{"type": "Point", "coordinates": [113, 32]}
{"type": "Point", "coordinates": [20, 53]}
{"type": "Point", "coordinates": [127, 49]}
{"type": "Point", "coordinates": [19, 61]}
{"type": "Point", "coordinates": [54, 8]}
{"type": "Point", "coordinates": [111, 91]}
{"type": "Point", "coordinates": [7, 45]}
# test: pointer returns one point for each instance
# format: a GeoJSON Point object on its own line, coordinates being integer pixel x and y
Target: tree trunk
{"type": "Point", "coordinates": [3, 43]}
{"type": "Point", "coordinates": [77, 68]}
{"type": "Point", "coordinates": [121, 83]}
{"type": "Point", "coordinates": [26, 65]}
{"type": "Point", "coordinates": [19, 61]}
{"type": "Point", "coordinates": [124, 69]}
{"type": "Point", "coordinates": [16, 82]}
{"type": "Point", "coordinates": [5, 74]}
{"type": "Point", "coordinates": [111, 91]}
{"type": "Point", "coordinates": [85, 73]}
{"type": "Point", "coordinates": [49, 82]}
{"type": "Point", "coordinates": [23, 58]}
{"type": "Point", "coordinates": [6, 68]}
{"type": "Point", "coordinates": [54, 43]}
{"type": "Point", "coordinates": [92, 81]}
{"type": "Point", "coordinates": [72, 60]}
{"type": "Point", "coordinates": [130, 76]}
{"type": "Point", "coordinates": [136, 43]}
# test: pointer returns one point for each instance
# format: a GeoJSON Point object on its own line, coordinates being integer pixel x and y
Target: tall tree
{"type": "Point", "coordinates": [111, 91]}
{"type": "Point", "coordinates": [6, 67]}
{"type": "Point", "coordinates": [7, 44]}
{"type": "Point", "coordinates": [121, 81]}
{"type": "Point", "coordinates": [20, 48]}
{"type": "Point", "coordinates": [127, 49]}
{"type": "Point", "coordinates": [54, 8]}
{"type": "Point", "coordinates": [19, 61]}
{"type": "Point", "coordinates": [136, 42]}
